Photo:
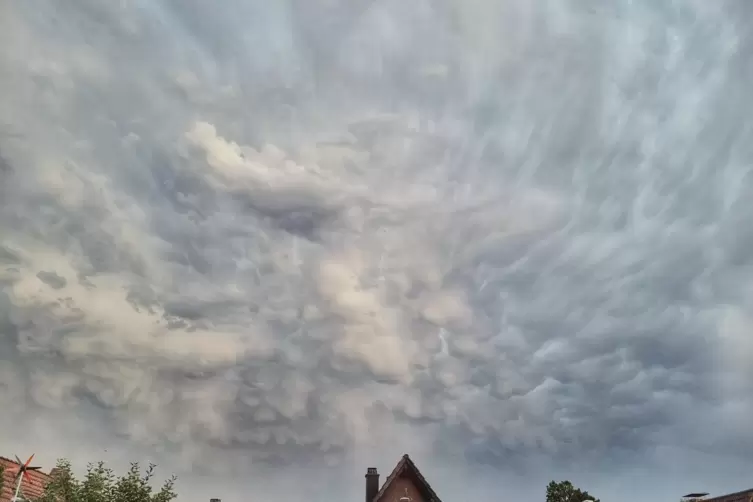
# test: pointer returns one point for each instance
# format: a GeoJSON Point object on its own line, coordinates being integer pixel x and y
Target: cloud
{"type": "Point", "coordinates": [505, 234]}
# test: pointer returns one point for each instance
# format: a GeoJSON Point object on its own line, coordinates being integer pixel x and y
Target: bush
{"type": "Point", "coordinates": [100, 484]}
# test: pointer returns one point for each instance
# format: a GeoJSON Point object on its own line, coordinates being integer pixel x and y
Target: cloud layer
{"type": "Point", "coordinates": [292, 233]}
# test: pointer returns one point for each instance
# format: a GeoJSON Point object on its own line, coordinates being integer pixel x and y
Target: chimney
{"type": "Point", "coordinates": [372, 483]}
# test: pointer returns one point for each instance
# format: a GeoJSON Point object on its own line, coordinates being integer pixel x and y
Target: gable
{"type": "Point", "coordinates": [406, 479]}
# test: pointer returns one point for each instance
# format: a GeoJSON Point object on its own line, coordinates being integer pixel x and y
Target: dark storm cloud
{"type": "Point", "coordinates": [505, 242]}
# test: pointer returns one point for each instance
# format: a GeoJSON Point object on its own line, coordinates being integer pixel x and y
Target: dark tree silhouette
{"type": "Point", "coordinates": [564, 491]}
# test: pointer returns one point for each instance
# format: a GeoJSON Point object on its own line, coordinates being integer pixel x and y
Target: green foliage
{"type": "Point", "coordinates": [564, 491]}
{"type": "Point", "coordinates": [2, 478]}
{"type": "Point", "coordinates": [100, 484]}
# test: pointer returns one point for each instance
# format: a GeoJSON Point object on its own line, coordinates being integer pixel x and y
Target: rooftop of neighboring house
{"type": "Point", "coordinates": [31, 487]}
{"type": "Point", "coordinates": [743, 496]}
{"type": "Point", "coordinates": [405, 482]}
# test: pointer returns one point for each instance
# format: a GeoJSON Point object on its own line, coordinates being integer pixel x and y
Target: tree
{"type": "Point", "coordinates": [564, 491]}
{"type": "Point", "coordinates": [2, 477]}
{"type": "Point", "coordinates": [100, 484]}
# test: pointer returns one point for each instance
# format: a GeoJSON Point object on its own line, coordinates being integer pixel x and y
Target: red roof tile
{"type": "Point", "coordinates": [32, 486]}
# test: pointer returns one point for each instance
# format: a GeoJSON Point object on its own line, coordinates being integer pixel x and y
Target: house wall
{"type": "Point", "coordinates": [398, 489]}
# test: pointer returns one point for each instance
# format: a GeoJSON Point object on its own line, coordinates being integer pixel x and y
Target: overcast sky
{"type": "Point", "coordinates": [268, 244]}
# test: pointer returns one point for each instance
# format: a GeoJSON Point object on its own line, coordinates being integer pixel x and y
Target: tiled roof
{"type": "Point", "coordinates": [32, 486]}
{"type": "Point", "coordinates": [743, 496]}
{"type": "Point", "coordinates": [406, 465]}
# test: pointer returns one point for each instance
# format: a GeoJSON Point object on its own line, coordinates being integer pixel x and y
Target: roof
{"type": "Point", "coordinates": [32, 486]}
{"type": "Point", "coordinates": [743, 496]}
{"type": "Point", "coordinates": [406, 467]}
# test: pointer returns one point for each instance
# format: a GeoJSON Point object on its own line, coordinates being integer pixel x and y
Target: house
{"type": "Point", "coordinates": [404, 484]}
{"type": "Point", "coordinates": [743, 496]}
{"type": "Point", "coordinates": [32, 486]}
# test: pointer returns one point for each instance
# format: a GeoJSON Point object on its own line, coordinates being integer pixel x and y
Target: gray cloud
{"type": "Point", "coordinates": [507, 234]}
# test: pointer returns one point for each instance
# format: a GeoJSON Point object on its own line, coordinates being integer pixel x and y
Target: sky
{"type": "Point", "coordinates": [269, 244]}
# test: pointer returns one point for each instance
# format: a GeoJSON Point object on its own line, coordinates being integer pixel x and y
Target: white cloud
{"type": "Point", "coordinates": [496, 234]}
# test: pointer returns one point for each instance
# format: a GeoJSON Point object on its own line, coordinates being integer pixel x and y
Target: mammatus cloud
{"type": "Point", "coordinates": [496, 233]}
